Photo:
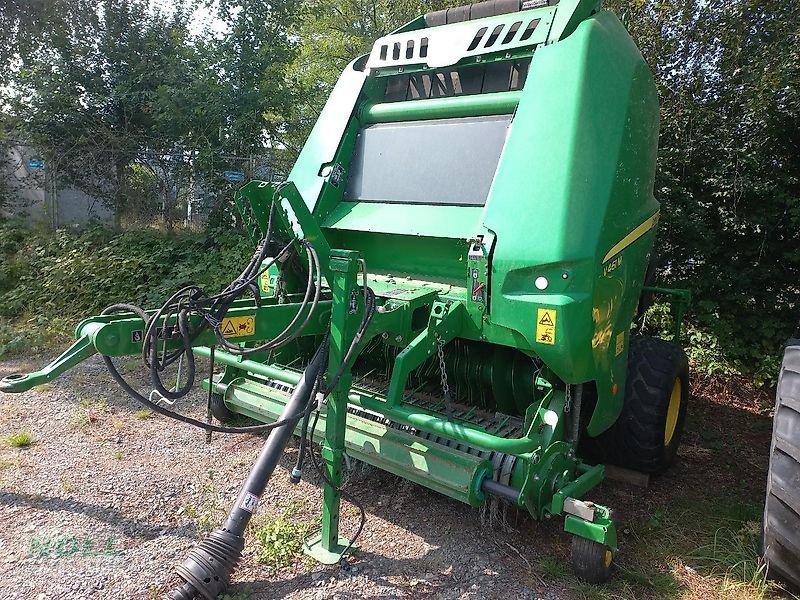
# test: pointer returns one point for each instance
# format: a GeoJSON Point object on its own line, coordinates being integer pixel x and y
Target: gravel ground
{"type": "Point", "coordinates": [105, 503]}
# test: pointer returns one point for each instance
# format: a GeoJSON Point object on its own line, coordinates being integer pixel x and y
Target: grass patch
{"type": "Point", "coordinates": [23, 439]}
{"type": "Point", "coordinates": [244, 595]}
{"type": "Point", "coordinates": [734, 554]}
{"type": "Point", "coordinates": [281, 539]}
{"type": "Point", "coordinates": [143, 415]}
{"type": "Point", "coordinates": [707, 544]}
{"type": "Point", "coordinates": [553, 568]}
{"type": "Point", "coordinates": [695, 548]}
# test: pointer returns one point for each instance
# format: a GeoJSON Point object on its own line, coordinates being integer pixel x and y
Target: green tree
{"type": "Point", "coordinates": [252, 61]}
{"type": "Point", "coordinates": [729, 165]}
{"type": "Point", "coordinates": [103, 89]}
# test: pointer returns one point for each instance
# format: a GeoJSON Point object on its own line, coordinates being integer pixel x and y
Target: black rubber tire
{"type": "Point", "coordinates": [591, 561]}
{"type": "Point", "coordinates": [221, 412]}
{"type": "Point", "coordinates": [781, 531]}
{"type": "Point", "coordinates": [637, 440]}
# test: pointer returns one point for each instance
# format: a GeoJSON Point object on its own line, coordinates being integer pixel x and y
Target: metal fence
{"type": "Point", "coordinates": [177, 190]}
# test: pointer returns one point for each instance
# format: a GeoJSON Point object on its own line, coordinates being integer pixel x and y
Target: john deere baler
{"type": "Point", "coordinates": [445, 285]}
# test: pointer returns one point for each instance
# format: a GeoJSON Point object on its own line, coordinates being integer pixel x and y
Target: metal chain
{"type": "Point", "coordinates": [568, 400]}
{"type": "Point", "coordinates": [442, 369]}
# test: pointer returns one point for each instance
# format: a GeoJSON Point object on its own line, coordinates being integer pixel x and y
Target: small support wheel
{"type": "Point", "coordinates": [221, 412]}
{"type": "Point", "coordinates": [591, 561]}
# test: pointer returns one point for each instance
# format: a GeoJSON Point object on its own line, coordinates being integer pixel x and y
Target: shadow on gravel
{"type": "Point", "coordinates": [397, 578]}
{"type": "Point", "coordinates": [131, 527]}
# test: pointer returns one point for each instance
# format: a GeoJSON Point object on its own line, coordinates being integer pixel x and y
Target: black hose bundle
{"type": "Point", "coordinates": [192, 300]}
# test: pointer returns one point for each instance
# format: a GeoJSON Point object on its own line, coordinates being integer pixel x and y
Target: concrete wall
{"type": "Point", "coordinates": [37, 197]}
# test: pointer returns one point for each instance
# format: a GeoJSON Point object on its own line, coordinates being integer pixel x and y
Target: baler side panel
{"type": "Point", "coordinates": [580, 160]}
{"type": "Point", "coordinates": [324, 141]}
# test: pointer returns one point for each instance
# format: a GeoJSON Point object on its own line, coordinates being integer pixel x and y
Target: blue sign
{"type": "Point", "coordinates": [35, 163]}
{"type": "Point", "coordinates": [235, 176]}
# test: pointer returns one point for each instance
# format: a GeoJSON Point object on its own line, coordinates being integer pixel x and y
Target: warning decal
{"type": "Point", "coordinates": [546, 326]}
{"type": "Point", "coordinates": [238, 326]}
{"type": "Point", "coordinates": [249, 502]}
{"type": "Point", "coordinates": [265, 282]}
{"type": "Point", "coordinates": [620, 343]}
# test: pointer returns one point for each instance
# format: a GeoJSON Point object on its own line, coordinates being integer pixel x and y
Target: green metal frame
{"type": "Point", "coordinates": [328, 546]}
{"type": "Point", "coordinates": [679, 304]}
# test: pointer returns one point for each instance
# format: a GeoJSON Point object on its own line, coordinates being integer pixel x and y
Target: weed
{"type": "Point", "coordinates": [96, 403]}
{"type": "Point", "coordinates": [23, 439]}
{"type": "Point", "coordinates": [655, 521]}
{"type": "Point", "coordinates": [31, 335]}
{"type": "Point", "coordinates": [118, 455]}
{"type": "Point", "coordinates": [90, 412]}
{"type": "Point", "coordinates": [204, 517]}
{"type": "Point", "coordinates": [144, 414]}
{"type": "Point", "coordinates": [69, 274]}
{"type": "Point", "coordinates": [207, 514]}
{"type": "Point", "coordinates": [243, 595]}
{"type": "Point", "coordinates": [552, 567]}
{"type": "Point", "coordinates": [281, 540]}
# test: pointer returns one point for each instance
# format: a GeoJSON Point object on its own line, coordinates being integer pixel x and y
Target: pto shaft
{"type": "Point", "coordinates": [207, 570]}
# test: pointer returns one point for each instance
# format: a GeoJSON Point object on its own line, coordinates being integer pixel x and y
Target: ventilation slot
{"type": "Point", "coordinates": [423, 47]}
{"type": "Point", "coordinates": [410, 49]}
{"type": "Point", "coordinates": [493, 38]}
{"type": "Point", "coordinates": [443, 86]}
{"type": "Point", "coordinates": [464, 81]}
{"type": "Point", "coordinates": [511, 32]}
{"type": "Point", "coordinates": [529, 30]}
{"type": "Point", "coordinates": [396, 51]}
{"type": "Point", "coordinates": [477, 39]}
{"type": "Point", "coordinates": [384, 51]}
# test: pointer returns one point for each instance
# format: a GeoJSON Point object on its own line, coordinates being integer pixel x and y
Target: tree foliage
{"type": "Point", "coordinates": [729, 165]}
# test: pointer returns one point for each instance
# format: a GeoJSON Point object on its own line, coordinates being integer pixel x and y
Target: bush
{"type": "Point", "coordinates": [712, 345]}
{"type": "Point", "coordinates": [47, 278]}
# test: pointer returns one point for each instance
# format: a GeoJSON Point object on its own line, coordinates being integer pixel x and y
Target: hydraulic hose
{"type": "Point", "coordinates": [192, 299]}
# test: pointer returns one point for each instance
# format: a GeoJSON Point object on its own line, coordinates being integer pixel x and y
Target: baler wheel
{"type": "Point", "coordinates": [647, 434]}
{"type": "Point", "coordinates": [781, 533]}
{"type": "Point", "coordinates": [221, 412]}
{"type": "Point", "coordinates": [591, 561]}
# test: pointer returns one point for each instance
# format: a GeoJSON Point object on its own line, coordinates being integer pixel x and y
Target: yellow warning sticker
{"type": "Point", "coordinates": [620, 343]}
{"type": "Point", "coordinates": [265, 283]}
{"type": "Point", "coordinates": [238, 326]}
{"type": "Point", "coordinates": [546, 326]}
